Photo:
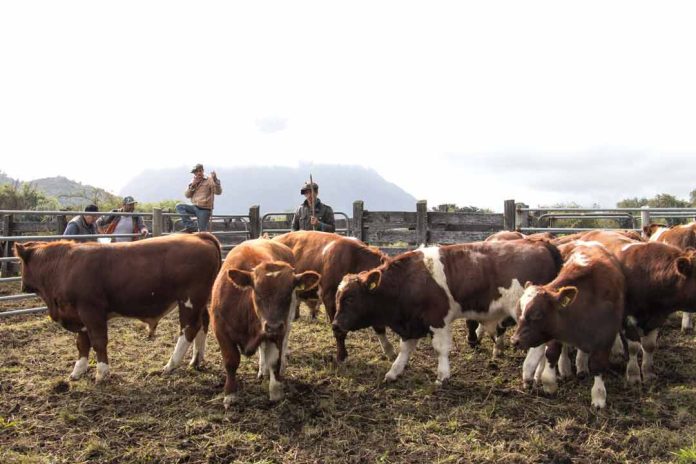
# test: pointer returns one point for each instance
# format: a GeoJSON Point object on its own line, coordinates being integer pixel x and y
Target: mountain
{"type": "Point", "coordinates": [71, 193]}
{"type": "Point", "coordinates": [277, 189]}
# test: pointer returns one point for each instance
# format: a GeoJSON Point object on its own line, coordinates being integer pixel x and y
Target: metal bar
{"type": "Point", "coordinates": [72, 213]}
{"type": "Point", "coordinates": [21, 296]}
{"type": "Point", "coordinates": [9, 259]}
{"type": "Point", "coordinates": [24, 238]}
{"type": "Point", "coordinates": [214, 216]}
{"type": "Point", "coordinates": [565, 230]}
{"type": "Point", "coordinates": [10, 279]}
{"type": "Point", "coordinates": [609, 210]}
{"type": "Point", "coordinates": [19, 312]}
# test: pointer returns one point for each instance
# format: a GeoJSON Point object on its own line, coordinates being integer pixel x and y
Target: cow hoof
{"type": "Point", "coordinates": [275, 393]}
{"type": "Point", "coordinates": [649, 377]}
{"type": "Point", "coordinates": [633, 380]}
{"type": "Point", "coordinates": [166, 370]}
{"type": "Point", "coordinates": [229, 400]}
{"type": "Point", "coordinates": [550, 388]}
{"type": "Point", "coordinates": [441, 382]}
{"type": "Point", "coordinates": [389, 377]}
{"type": "Point", "coordinates": [102, 372]}
{"type": "Point", "coordinates": [527, 384]}
{"type": "Point", "coordinates": [582, 375]}
{"type": "Point", "coordinates": [599, 404]}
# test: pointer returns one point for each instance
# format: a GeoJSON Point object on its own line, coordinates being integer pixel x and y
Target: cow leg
{"type": "Point", "coordinates": [97, 332]}
{"type": "Point", "coordinates": [687, 324]}
{"type": "Point", "coordinates": [198, 357]}
{"type": "Point", "coordinates": [581, 364]}
{"type": "Point", "coordinates": [649, 343]}
{"type": "Point", "coordinates": [190, 324]}
{"type": "Point", "coordinates": [564, 364]}
{"type": "Point", "coordinates": [329, 299]}
{"type": "Point", "coordinates": [549, 380]}
{"type": "Point", "coordinates": [617, 349]}
{"type": "Point", "coordinates": [472, 333]}
{"type": "Point", "coordinates": [230, 359]}
{"type": "Point", "coordinates": [313, 307]}
{"type": "Point", "coordinates": [598, 364]}
{"type": "Point", "coordinates": [531, 362]}
{"type": "Point", "coordinates": [272, 357]}
{"type": "Point", "coordinates": [284, 347]}
{"type": "Point", "coordinates": [442, 342]}
{"type": "Point", "coordinates": [83, 346]}
{"type": "Point", "coordinates": [632, 368]}
{"type": "Point", "coordinates": [499, 341]}
{"type": "Point", "coordinates": [298, 302]}
{"type": "Point", "coordinates": [387, 347]}
{"type": "Point", "coordinates": [406, 347]}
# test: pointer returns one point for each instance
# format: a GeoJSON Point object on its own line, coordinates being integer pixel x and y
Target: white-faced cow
{"type": "Point", "coordinates": [583, 307]}
{"type": "Point", "coordinates": [682, 237]}
{"type": "Point", "coordinates": [85, 284]}
{"type": "Point", "coordinates": [252, 308]}
{"type": "Point", "coordinates": [421, 292]}
{"type": "Point", "coordinates": [333, 256]}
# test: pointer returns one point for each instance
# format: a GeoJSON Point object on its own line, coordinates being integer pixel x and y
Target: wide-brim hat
{"type": "Point", "coordinates": [129, 200]}
{"type": "Point", "coordinates": [305, 188]}
{"type": "Point", "coordinates": [198, 167]}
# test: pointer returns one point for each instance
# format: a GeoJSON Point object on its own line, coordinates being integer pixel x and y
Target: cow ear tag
{"type": "Point", "coordinates": [372, 286]}
{"type": "Point", "coordinates": [300, 287]}
{"type": "Point", "coordinates": [565, 302]}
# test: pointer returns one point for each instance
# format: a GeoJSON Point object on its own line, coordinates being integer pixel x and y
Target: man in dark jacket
{"type": "Point", "coordinates": [323, 217]}
{"type": "Point", "coordinates": [83, 224]}
{"type": "Point", "coordinates": [115, 224]}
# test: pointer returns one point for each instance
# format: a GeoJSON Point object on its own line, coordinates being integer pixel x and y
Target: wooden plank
{"type": "Point", "coordinates": [437, 218]}
{"type": "Point", "coordinates": [447, 237]}
{"type": "Point", "coordinates": [509, 214]}
{"type": "Point", "coordinates": [422, 222]}
{"type": "Point", "coordinates": [394, 251]}
{"type": "Point", "coordinates": [468, 228]}
{"type": "Point", "coordinates": [391, 217]}
{"type": "Point", "coordinates": [390, 237]}
{"type": "Point", "coordinates": [358, 215]}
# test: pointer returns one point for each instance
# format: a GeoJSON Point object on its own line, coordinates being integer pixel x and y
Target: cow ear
{"type": "Point", "coordinates": [566, 296]}
{"type": "Point", "coordinates": [23, 252]}
{"type": "Point", "coordinates": [241, 279]}
{"type": "Point", "coordinates": [306, 281]}
{"type": "Point", "coordinates": [373, 279]}
{"type": "Point", "coordinates": [527, 284]}
{"type": "Point", "coordinates": [684, 266]}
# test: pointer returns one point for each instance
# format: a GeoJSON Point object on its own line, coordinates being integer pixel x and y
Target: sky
{"type": "Point", "coordinates": [456, 102]}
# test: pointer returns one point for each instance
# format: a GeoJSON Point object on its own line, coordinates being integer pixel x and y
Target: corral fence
{"type": "Point", "coordinates": [392, 231]}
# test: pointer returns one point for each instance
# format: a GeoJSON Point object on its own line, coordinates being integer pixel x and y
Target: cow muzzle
{"type": "Point", "coordinates": [273, 329]}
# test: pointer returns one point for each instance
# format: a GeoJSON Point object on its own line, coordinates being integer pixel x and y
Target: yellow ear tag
{"type": "Point", "coordinates": [372, 286]}
{"type": "Point", "coordinates": [565, 302]}
{"type": "Point", "coordinates": [300, 287]}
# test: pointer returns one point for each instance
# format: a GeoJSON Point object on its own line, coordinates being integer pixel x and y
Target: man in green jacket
{"type": "Point", "coordinates": [323, 217]}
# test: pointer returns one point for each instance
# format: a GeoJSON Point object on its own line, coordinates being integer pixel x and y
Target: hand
{"type": "Point", "coordinates": [213, 175]}
{"type": "Point", "coordinates": [144, 232]}
{"type": "Point", "coordinates": [314, 221]}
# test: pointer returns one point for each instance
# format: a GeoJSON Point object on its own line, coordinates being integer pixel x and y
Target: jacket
{"type": "Point", "coordinates": [107, 224]}
{"type": "Point", "coordinates": [202, 194]}
{"type": "Point", "coordinates": [78, 226]}
{"type": "Point", "coordinates": [324, 213]}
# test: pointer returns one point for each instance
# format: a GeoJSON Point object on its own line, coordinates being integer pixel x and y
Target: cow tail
{"type": "Point", "coordinates": [555, 254]}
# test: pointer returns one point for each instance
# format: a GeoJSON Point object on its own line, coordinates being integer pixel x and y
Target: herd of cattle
{"type": "Point", "coordinates": [596, 291]}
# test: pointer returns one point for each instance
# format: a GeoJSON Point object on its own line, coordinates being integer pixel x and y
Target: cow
{"type": "Point", "coordinates": [683, 237]}
{"type": "Point", "coordinates": [583, 307]}
{"type": "Point", "coordinates": [516, 235]}
{"type": "Point", "coordinates": [251, 309]}
{"type": "Point", "coordinates": [333, 256]}
{"type": "Point", "coordinates": [421, 292]}
{"type": "Point", "coordinates": [86, 284]}
{"type": "Point", "coordinates": [659, 279]}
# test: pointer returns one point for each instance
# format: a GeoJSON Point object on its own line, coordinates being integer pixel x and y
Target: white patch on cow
{"type": "Point", "coordinates": [80, 368]}
{"type": "Point", "coordinates": [182, 346]}
{"type": "Point", "coordinates": [84, 329]}
{"type": "Point", "coordinates": [582, 363]}
{"type": "Point", "coordinates": [188, 304]}
{"type": "Point", "coordinates": [507, 303]}
{"type": "Point", "coordinates": [649, 343]}
{"type": "Point", "coordinates": [531, 361]}
{"type": "Point", "coordinates": [102, 372]}
{"type": "Point", "coordinates": [406, 347]}
{"type": "Point", "coordinates": [589, 243]}
{"type": "Point", "coordinates": [433, 263]}
{"type": "Point", "coordinates": [273, 274]}
{"type": "Point", "coordinates": [229, 400]}
{"type": "Point", "coordinates": [442, 343]}
{"type": "Point", "coordinates": [629, 245]}
{"type": "Point", "coordinates": [631, 321]}
{"type": "Point", "coordinates": [564, 364]}
{"type": "Point", "coordinates": [540, 370]}
{"type": "Point", "coordinates": [632, 368]}
{"type": "Point", "coordinates": [499, 345]}
{"type": "Point", "coordinates": [579, 259]}
{"type": "Point", "coordinates": [599, 393]}
{"type": "Point", "coordinates": [327, 248]}
{"type": "Point", "coordinates": [656, 235]}
{"type": "Point", "coordinates": [342, 285]}
{"type": "Point", "coordinates": [617, 349]}
{"type": "Point", "coordinates": [198, 348]}
{"type": "Point", "coordinates": [687, 323]}
{"type": "Point", "coordinates": [263, 367]}
{"type": "Point", "coordinates": [386, 345]}
{"type": "Point", "coordinates": [527, 296]}
{"type": "Point", "coordinates": [275, 388]}
{"type": "Point", "coordinates": [548, 379]}
{"type": "Point", "coordinates": [480, 332]}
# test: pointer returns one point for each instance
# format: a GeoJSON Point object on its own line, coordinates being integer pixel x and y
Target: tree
{"type": "Point", "coordinates": [23, 196]}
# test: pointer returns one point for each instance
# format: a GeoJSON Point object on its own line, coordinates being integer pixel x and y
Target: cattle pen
{"type": "Point", "coordinates": [332, 412]}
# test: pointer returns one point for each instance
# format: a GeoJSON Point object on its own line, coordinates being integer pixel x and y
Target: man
{"type": "Point", "coordinates": [83, 224]}
{"type": "Point", "coordinates": [114, 224]}
{"type": "Point", "coordinates": [323, 217]}
{"type": "Point", "coordinates": [201, 191]}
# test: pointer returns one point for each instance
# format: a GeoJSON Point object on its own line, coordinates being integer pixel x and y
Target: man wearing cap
{"type": "Point", "coordinates": [116, 224]}
{"type": "Point", "coordinates": [83, 224]}
{"type": "Point", "coordinates": [201, 191]}
{"type": "Point", "coordinates": [323, 217]}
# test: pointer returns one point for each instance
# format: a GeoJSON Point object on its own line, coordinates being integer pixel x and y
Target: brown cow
{"type": "Point", "coordinates": [85, 284]}
{"type": "Point", "coordinates": [423, 291]}
{"type": "Point", "coordinates": [682, 237]}
{"type": "Point", "coordinates": [516, 235]}
{"type": "Point", "coordinates": [583, 306]}
{"type": "Point", "coordinates": [251, 308]}
{"type": "Point", "coordinates": [333, 256]}
{"type": "Point", "coordinates": [659, 279]}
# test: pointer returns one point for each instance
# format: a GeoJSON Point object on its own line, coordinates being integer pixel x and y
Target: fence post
{"type": "Point", "coordinates": [358, 208]}
{"type": "Point", "coordinates": [7, 251]}
{"type": "Point", "coordinates": [422, 222]}
{"type": "Point", "coordinates": [509, 215]}
{"type": "Point", "coordinates": [521, 217]}
{"type": "Point", "coordinates": [157, 222]}
{"type": "Point", "coordinates": [645, 216]}
{"type": "Point", "coordinates": [255, 221]}
{"type": "Point", "coordinates": [61, 224]}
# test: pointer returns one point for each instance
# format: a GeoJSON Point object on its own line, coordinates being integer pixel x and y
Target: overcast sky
{"type": "Point", "coordinates": [458, 102]}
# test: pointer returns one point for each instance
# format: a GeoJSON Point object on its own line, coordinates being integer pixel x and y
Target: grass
{"type": "Point", "coordinates": [331, 413]}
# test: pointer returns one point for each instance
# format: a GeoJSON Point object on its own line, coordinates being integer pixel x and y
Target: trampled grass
{"type": "Point", "coordinates": [331, 413]}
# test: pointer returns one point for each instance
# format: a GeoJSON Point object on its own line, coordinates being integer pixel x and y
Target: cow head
{"type": "Point", "coordinates": [25, 253]}
{"type": "Point", "coordinates": [273, 286]}
{"type": "Point", "coordinates": [356, 300]}
{"type": "Point", "coordinates": [537, 314]}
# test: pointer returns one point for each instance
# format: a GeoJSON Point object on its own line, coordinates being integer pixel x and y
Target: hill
{"type": "Point", "coordinates": [277, 189]}
{"type": "Point", "coordinates": [71, 193]}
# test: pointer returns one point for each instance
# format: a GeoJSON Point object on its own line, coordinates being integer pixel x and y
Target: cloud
{"type": "Point", "coordinates": [271, 124]}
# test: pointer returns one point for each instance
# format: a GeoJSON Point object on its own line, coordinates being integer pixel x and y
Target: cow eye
{"type": "Point", "coordinates": [535, 316]}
